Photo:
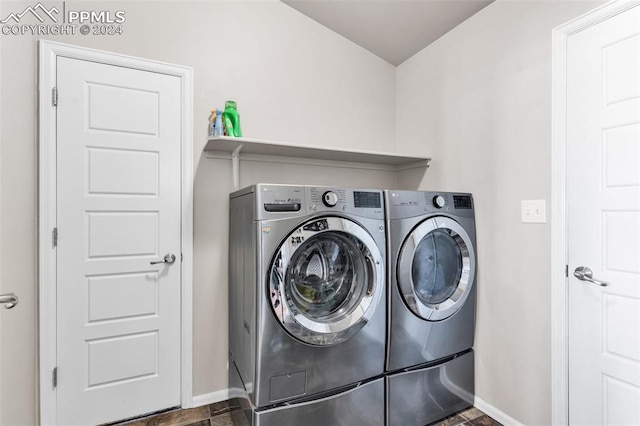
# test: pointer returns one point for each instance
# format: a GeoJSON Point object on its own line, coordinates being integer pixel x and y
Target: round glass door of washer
{"type": "Point", "coordinates": [326, 280]}
{"type": "Point", "coordinates": [436, 267]}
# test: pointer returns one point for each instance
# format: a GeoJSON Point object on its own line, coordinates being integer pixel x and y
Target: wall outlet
{"type": "Point", "coordinates": [534, 211]}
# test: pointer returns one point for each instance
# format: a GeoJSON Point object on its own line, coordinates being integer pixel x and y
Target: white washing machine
{"type": "Point", "coordinates": [432, 296]}
{"type": "Point", "coordinates": [307, 304]}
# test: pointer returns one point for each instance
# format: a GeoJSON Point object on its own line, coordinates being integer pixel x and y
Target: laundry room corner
{"type": "Point", "coordinates": [486, 86]}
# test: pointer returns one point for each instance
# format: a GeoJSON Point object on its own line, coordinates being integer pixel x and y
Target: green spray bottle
{"type": "Point", "coordinates": [231, 120]}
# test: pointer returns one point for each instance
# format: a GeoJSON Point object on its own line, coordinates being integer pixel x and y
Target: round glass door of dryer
{"type": "Point", "coordinates": [435, 269]}
{"type": "Point", "coordinates": [326, 280]}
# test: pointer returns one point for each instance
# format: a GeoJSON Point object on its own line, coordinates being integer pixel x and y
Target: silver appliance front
{"type": "Point", "coordinates": [298, 353]}
{"type": "Point", "coordinates": [358, 404]}
{"type": "Point", "coordinates": [307, 292]}
{"type": "Point", "coordinates": [418, 397]}
{"type": "Point", "coordinates": [363, 404]}
{"type": "Point", "coordinates": [432, 275]}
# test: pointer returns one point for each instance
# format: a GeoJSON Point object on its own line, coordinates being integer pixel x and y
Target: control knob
{"type": "Point", "coordinates": [330, 199]}
{"type": "Point", "coordinates": [439, 201]}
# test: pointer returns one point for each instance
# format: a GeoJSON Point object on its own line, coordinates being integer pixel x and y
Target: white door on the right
{"type": "Point", "coordinates": [603, 207]}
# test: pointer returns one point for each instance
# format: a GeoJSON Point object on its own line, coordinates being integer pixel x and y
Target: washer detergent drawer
{"type": "Point", "coordinates": [422, 396]}
{"type": "Point", "coordinates": [362, 405]}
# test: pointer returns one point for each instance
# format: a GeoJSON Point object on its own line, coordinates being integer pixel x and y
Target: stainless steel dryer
{"type": "Point", "coordinates": [432, 297]}
{"type": "Point", "coordinates": [307, 304]}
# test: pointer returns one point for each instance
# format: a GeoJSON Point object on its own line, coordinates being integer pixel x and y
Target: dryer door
{"type": "Point", "coordinates": [326, 280]}
{"type": "Point", "coordinates": [436, 268]}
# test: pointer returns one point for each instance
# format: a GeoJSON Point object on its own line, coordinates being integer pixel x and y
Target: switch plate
{"type": "Point", "coordinates": [534, 211]}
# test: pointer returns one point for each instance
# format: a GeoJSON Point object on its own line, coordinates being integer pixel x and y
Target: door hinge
{"type": "Point", "coordinates": [54, 377]}
{"type": "Point", "coordinates": [54, 96]}
{"type": "Point", "coordinates": [566, 271]}
{"type": "Point", "coordinates": [55, 237]}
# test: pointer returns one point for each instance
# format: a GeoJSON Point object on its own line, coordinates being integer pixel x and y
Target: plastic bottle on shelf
{"type": "Point", "coordinates": [217, 128]}
{"type": "Point", "coordinates": [212, 122]}
{"type": "Point", "coordinates": [231, 119]}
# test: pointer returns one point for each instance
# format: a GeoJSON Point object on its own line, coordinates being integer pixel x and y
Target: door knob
{"type": "Point", "coordinates": [169, 258]}
{"type": "Point", "coordinates": [585, 274]}
{"type": "Point", "coordinates": [9, 300]}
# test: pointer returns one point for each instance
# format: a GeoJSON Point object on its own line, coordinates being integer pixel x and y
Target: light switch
{"type": "Point", "coordinates": [534, 211]}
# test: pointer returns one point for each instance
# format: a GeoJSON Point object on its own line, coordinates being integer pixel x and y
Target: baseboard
{"type": "Point", "coordinates": [496, 414]}
{"type": "Point", "coordinates": [485, 407]}
{"type": "Point", "coordinates": [210, 398]}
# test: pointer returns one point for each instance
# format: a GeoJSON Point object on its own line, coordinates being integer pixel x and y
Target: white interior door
{"type": "Point", "coordinates": [603, 187]}
{"type": "Point", "coordinates": [118, 210]}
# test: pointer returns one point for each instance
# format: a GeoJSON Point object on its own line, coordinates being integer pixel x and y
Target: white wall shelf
{"type": "Point", "coordinates": [233, 148]}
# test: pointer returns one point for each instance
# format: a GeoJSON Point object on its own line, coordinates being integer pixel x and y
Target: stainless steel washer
{"type": "Point", "coordinates": [432, 297]}
{"type": "Point", "coordinates": [307, 302]}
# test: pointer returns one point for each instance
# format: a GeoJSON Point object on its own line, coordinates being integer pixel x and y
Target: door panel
{"type": "Point", "coordinates": [118, 209]}
{"type": "Point", "coordinates": [118, 296]}
{"type": "Point", "coordinates": [110, 359]}
{"type": "Point", "coordinates": [603, 135]}
{"type": "Point", "coordinates": [107, 112]}
{"type": "Point", "coordinates": [137, 172]}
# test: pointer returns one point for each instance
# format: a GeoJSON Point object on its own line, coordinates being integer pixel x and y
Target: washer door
{"type": "Point", "coordinates": [435, 268]}
{"type": "Point", "coordinates": [326, 280]}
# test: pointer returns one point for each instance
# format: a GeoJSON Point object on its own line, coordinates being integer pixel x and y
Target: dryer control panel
{"type": "Point", "coordinates": [404, 204]}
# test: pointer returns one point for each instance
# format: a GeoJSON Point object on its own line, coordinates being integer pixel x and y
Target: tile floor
{"type": "Point", "coordinates": [227, 413]}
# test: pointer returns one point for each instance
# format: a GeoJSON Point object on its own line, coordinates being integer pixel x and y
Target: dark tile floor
{"type": "Point", "coordinates": [469, 417]}
{"type": "Point", "coordinates": [227, 413]}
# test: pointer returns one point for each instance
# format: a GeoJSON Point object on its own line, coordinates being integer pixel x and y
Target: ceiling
{"type": "Point", "coordinates": [394, 30]}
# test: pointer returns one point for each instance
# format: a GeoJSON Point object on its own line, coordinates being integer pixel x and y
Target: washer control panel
{"type": "Point", "coordinates": [326, 199]}
{"type": "Point", "coordinates": [362, 202]}
{"type": "Point", "coordinates": [276, 201]}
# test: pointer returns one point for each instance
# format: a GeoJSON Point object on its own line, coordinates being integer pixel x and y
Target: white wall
{"type": "Point", "coordinates": [479, 100]}
{"type": "Point", "coordinates": [293, 79]}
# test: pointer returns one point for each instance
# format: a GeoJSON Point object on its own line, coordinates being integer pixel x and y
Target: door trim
{"type": "Point", "coordinates": [559, 237]}
{"type": "Point", "coordinates": [48, 53]}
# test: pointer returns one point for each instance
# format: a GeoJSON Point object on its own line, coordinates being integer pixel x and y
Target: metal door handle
{"type": "Point", "coordinates": [169, 258]}
{"type": "Point", "coordinates": [585, 274]}
{"type": "Point", "coordinates": [9, 300]}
